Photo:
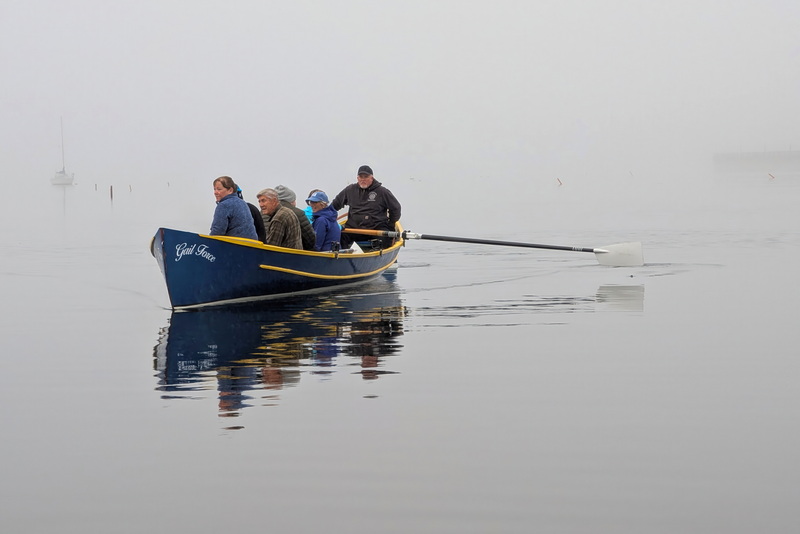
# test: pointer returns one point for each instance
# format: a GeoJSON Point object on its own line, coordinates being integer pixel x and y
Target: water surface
{"type": "Point", "coordinates": [481, 389]}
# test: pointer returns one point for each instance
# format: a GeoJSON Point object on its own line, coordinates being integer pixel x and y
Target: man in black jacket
{"type": "Point", "coordinates": [371, 207]}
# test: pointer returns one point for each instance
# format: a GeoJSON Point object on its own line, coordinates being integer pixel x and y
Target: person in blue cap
{"type": "Point", "coordinates": [372, 207]}
{"type": "Point", "coordinates": [325, 224]}
{"type": "Point", "coordinates": [308, 210]}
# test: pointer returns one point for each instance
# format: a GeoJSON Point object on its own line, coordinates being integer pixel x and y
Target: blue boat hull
{"type": "Point", "coordinates": [202, 270]}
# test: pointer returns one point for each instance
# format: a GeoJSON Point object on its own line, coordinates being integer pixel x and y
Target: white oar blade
{"type": "Point", "coordinates": [620, 255]}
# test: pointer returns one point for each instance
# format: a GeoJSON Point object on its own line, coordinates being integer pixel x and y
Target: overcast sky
{"type": "Point", "coordinates": [435, 95]}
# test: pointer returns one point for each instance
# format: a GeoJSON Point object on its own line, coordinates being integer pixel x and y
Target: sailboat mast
{"type": "Point", "coordinates": [63, 161]}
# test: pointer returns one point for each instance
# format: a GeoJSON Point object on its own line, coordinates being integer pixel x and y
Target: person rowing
{"type": "Point", "coordinates": [371, 207]}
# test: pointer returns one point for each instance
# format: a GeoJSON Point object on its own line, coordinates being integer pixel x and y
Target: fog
{"type": "Point", "coordinates": [458, 106]}
{"type": "Point", "coordinates": [476, 388]}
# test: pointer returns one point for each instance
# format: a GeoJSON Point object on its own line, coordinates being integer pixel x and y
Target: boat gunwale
{"type": "Point", "coordinates": [253, 243]}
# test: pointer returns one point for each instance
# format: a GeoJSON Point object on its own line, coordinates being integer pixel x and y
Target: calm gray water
{"type": "Point", "coordinates": [482, 389]}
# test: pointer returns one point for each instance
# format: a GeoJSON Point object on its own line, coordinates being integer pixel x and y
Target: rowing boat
{"type": "Point", "coordinates": [204, 270]}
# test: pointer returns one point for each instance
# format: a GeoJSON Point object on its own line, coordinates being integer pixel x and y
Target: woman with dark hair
{"type": "Point", "coordinates": [232, 216]}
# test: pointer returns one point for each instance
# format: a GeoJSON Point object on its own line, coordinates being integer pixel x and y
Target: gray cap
{"type": "Point", "coordinates": [284, 193]}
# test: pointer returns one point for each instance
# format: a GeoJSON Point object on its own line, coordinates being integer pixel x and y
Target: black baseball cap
{"type": "Point", "coordinates": [364, 169]}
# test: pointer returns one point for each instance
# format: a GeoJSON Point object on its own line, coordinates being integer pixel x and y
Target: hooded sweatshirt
{"type": "Point", "coordinates": [373, 208]}
{"type": "Point", "coordinates": [327, 228]}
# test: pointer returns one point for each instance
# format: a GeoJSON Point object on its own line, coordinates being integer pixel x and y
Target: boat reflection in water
{"type": "Point", "coordinates": [246, 351]}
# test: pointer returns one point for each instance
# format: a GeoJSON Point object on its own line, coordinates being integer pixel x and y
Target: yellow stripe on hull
{"type": "Point", "coordinates": [327, 276]}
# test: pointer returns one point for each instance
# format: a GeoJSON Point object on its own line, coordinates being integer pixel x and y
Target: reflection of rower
{"type": "Point", "coordinates": [232, 383]}
{"type": "Point", "coordinates": [262, 347]}
{"type": "Point", "coordinates": [371, 340]}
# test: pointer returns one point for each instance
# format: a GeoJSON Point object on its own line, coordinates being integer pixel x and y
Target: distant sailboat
{"type": "Point", "coordinates": [61, 177]}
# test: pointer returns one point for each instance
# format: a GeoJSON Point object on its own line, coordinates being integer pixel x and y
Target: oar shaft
{"type": "Point", "coordinates": [453, 239]}
{"type": "Point", "coordinates": [619, 255]}
{"type": "Point", "coordinates": [502, 243]}
{"type": "Point", "coordinates": [379, 233]}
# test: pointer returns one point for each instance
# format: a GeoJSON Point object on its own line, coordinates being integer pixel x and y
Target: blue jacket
{"type": "Point", "coordinates": [232, 217]}
{"type": "Point", "coordinates": [327, 228]}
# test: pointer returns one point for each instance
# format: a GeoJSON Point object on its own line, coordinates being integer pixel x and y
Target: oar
{"type": "Point", "coordinates": [618, 255]}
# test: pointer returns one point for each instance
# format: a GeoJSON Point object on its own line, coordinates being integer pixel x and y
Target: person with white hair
{"type": "Point", "coordinates": [284, 230]}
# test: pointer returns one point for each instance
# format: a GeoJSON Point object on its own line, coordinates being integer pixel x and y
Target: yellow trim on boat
{"type": "Point", "coordinates": [327, 276]}
{"type": "Point", "coordinates": [258, 244]}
